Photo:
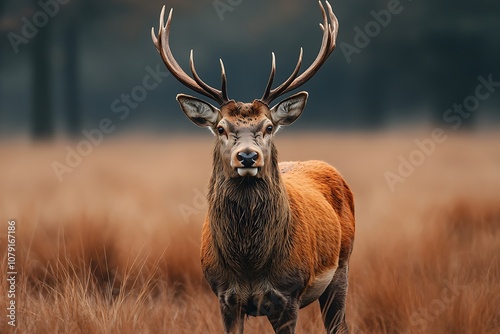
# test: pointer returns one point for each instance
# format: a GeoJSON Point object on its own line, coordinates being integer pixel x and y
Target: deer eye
{"type": "Point", "coordinates": [220, 130]}
{"type": "Point", "coordinates": [269, 129]}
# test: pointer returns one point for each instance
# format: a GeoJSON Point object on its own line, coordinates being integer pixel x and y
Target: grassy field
{"type": "Point", "coordinates": [114, 247]}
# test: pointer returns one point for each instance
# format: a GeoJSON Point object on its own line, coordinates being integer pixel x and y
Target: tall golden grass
{"type": "Point", "coordinates": [114, 248]}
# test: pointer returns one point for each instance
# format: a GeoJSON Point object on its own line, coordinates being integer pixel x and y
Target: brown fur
{"type": "Point", "coordinates": [275, 233]}
{"type": "Point", "coordinates": [316, 215]}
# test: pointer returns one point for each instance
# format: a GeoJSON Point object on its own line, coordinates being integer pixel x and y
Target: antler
{"type": "Point", "coordinates": [330, 31]}
{"type": "Point", "coordinates": [198, 85]}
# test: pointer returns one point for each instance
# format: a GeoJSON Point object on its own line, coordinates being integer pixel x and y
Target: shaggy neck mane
{"type": "Point", "coordinates": [249, 217]}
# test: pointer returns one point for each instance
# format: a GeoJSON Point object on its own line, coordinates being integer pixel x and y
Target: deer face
{"type": "Point", "coordinates": [244, 131]}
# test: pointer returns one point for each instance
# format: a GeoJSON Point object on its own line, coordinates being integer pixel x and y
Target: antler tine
{"type": "Point", "coordinates": [323, 54]}
{"type": "Point", "coordinates": [216, 94]}
{"type": "Point", "coordinates": [153, 35]}
{"type": "Point", "coordinates": [271, 78]}
{"type": "Point", "coordinates": [327, 46]}
{"type": "Point", "coordinates": [280, 89]}
{"type": "Point", "coordinates": [223, 80]}
{"type": "Point", "coordinates": [163, 40]}
{"type": "Point", "coordinates": [334, 27]}
{"type": "Point", "coordinates": [163, 47]}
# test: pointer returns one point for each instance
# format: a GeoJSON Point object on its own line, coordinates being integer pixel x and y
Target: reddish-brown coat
{"type": "Point", "coordinates": [323, 212]}
{"type": "Point", "coordinates": [322, 208]}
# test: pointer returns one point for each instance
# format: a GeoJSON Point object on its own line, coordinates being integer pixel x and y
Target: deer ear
{"type": "Point", "coordinates": [287, 111]}
{"type": "Point", "coordinates": [199, 112]}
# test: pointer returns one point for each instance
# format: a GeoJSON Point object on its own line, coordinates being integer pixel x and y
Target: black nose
{"type": "Point", "coordinates": [247, 159]}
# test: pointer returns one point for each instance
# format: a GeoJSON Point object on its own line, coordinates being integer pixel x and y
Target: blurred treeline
{"type": "Point", "coordinates": [67, 64]}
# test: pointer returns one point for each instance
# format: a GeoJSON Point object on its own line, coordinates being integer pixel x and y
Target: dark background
{"type": "Point", "coordinates": [65, 78]}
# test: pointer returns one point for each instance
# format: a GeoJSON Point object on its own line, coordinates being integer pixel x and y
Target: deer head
{"type": "Point", "coordinates": [245, 131]}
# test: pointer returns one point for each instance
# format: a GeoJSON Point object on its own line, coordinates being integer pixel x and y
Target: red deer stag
{"type": "Point", "coordinates": [277, 236]}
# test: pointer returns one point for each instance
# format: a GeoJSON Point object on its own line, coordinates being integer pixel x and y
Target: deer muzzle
{"type": "Point", "coordinates": [247, 162]}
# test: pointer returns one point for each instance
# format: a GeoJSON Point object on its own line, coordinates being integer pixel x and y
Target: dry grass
{"type": "Point", "coordinates": [108, 250]}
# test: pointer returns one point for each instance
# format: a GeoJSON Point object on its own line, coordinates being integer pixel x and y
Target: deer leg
{"type": "Point", "coordinates": [285, 320]}
{"type": "Point", "coordinates": [232, 315]}
{"type": "Point", "coordinates": [332, 302]}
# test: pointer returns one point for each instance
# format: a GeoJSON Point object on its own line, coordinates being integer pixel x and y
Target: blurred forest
{"type": "Point", "coordinates": [67, 64]}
